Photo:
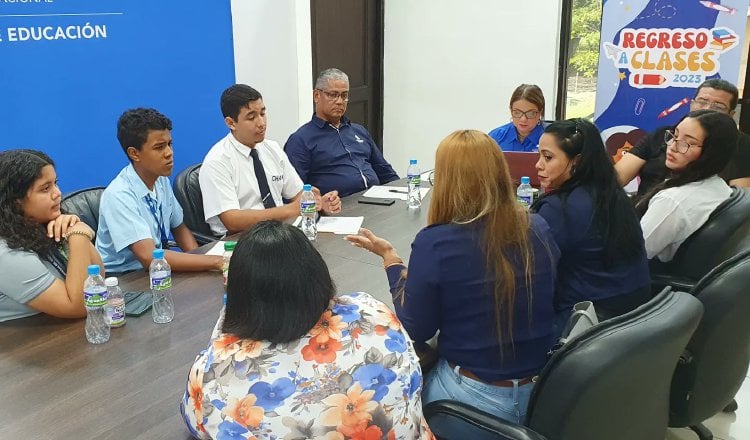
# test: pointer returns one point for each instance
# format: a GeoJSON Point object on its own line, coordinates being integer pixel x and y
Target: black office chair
{"type": "Point", "coordinates": [611, 382]}
{"type": "Point", "coordinates": [85, 204]}
{"type": "Point", "coordinates": [717, 357]}
{"type": "Point", "coordinates": [187, 190]}
{"type": "Point", "coordinates": [724, 235]}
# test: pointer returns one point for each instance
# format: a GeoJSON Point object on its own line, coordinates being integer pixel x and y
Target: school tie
{"type": "Point", "coordinates": [260, 174]}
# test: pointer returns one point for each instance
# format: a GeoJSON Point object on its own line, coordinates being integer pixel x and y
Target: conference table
{"type": "Point", "coordinates": [55, 385]}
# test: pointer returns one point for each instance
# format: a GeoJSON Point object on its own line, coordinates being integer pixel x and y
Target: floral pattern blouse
{"type": "Point", "coordinates": [355, 375]}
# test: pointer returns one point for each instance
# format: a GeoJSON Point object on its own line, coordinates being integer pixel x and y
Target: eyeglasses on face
{"type": "Point", "coordinates": [680, 145]}
{"type": "Point", "coordinates": [333, 96]}
{"type": "Point", "coordinates": [531, 114]}
{"type": "Point", "coordinates": [705, 103]}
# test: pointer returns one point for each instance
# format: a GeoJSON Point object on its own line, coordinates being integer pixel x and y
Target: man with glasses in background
{"type": "Point", "coordinates": [331, 152]}
{"type": "Point", "coordinates": [647, 159]}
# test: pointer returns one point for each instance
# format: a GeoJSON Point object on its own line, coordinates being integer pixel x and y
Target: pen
{"type": "Point", "coordinates": [398, 191]}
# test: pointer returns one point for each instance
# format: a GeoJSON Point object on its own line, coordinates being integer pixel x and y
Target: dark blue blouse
{"type": "Point", "coordinates": [448, 290]}
{"type": "Point", "coordinates": [582, 274]}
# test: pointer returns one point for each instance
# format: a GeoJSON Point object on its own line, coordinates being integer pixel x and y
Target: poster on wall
{"type": "Point", "coordinates": [654, 54]}
{"type": "Point", "coordinates": [69, 68]}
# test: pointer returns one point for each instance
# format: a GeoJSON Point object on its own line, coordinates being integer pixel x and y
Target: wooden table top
{"type": "Point", "coordinates": [55, 385]}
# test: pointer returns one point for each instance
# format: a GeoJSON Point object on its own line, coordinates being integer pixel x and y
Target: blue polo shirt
{"type": "Point", "coordinates": [345, 159]}
{"type": "Point", "coordinates": [507, 137]}
{"type": "Point", "coordinates": [125, 218]}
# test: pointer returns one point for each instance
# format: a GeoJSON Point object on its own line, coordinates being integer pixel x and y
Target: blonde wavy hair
{"type": "Point", "coordinates": [473, 184]}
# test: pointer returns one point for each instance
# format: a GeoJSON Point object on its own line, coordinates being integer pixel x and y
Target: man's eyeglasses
{"type": "Point", "coordinates": [531, 114]}
{"type": "Point", "coordinates": [705, 103]}
{"type": "Point", "coordinates": [680, 145]}
{"type": "Point", "coordinates": [333, 96]}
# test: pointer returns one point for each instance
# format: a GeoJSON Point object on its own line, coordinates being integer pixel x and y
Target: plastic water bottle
{"type": "Point", "coordinates": [95, 299]}
{"type": "Point", "coordinates": [525, 192]}
{"type": "Point", "coordinates": [115, 303]}
{"type": "Point", "coordinates": [228, 251]}
{"type": "Point", "coordinates": [308, 212]}
{"type": "Point", "coordinates": [413, 179]}
{"type": "Point", "coordinates": [161, 288]}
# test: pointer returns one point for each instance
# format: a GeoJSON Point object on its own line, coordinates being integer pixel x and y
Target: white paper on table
{"type": "Point", "coordinates": [391, 192]}
{"type": "Point", "coordinates": [340, 225]}
{"type": "Point", "coordinates": [218, 249]}
{"type": "Point", "coordinates": [337, 225]}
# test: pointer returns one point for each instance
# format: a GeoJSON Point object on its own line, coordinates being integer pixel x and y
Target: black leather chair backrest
{"type": "Point", "coordinates": [85, 204]}
{"type": "Point", "coordinates": [724, 235]}
{"type": "Point", "coordinates": [187, 190]}
{"type": "Point", "coordinates": [612, 382]}
{"type": "Point", "coordinates": [718, 355]}
{"type": "Point", "coordinates": [451, 420]}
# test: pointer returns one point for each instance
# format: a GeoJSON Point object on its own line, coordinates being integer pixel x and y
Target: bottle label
{"type": "Point", "coordinates": [525, 201]}
{"type": "Point", "coordinates": [415, 179]}
{"type": "Point", "coordinates": [161, 283]}
{"type": "Point", "coordinates": [116, 313]}
{"type": "Point", "coordinates": [307, 208]}
{"type": "Point", "coordinates": [95, 297]}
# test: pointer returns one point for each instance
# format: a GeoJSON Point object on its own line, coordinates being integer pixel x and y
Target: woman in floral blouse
{"type": "Point", "coordinates": [291, 361]}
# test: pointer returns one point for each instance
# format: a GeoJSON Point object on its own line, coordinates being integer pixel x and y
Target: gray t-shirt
{"type": "Point", "coordinates": [23, 277]}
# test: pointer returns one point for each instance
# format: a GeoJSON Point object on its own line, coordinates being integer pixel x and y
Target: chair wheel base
{"type": "Point", "coordinates": [702, 432]}
{"type": "Point", "coordinates": [731, 407]}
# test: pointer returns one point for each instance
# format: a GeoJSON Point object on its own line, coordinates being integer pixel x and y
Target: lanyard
{"type": "Point", "coordinates": [163, 232]}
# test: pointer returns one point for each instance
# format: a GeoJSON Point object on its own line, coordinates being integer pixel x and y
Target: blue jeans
{"type": "Point", "coordinates": [507, 403]}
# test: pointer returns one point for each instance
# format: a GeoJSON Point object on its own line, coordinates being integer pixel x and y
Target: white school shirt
{"type": "Point", "coordinates": [227, 178]}
{"type": "Point", "coordinates": [675, 213]}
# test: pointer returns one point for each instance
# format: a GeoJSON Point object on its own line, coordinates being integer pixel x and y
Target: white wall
{"type": "Point", "coordinates": [273, 54]}
{"type": "Point", "coordinates": [451, 65]}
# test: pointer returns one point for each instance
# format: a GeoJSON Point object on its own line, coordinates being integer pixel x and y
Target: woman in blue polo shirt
{"type": "Point", "coordinates": [603, 258]}
{"type": "Point", "coordinates": [525, 129]}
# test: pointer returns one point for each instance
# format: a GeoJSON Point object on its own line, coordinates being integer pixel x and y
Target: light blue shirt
{"type": "Point", "coordinates": [125, 218]}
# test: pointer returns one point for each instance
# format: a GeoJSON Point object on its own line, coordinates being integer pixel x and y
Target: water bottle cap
{"type": "Point", "coordinates": [229, 245]}
{"type": "Point", "coordinates": [93, 269]}
{"type": "Point", "coordinates": [412, 161]}
{"type": "Point", "coordinates": [111, 281]}
{"type": "Point", "coordinates": [525, 180]}
{"type": "Point", "coordinates": [307, 187]}
{"type": "Point", "coordinates": [158, 253]}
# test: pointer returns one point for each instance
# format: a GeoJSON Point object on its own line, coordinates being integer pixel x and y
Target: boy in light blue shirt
{"type": "Point", "coordinates": [138, 210]}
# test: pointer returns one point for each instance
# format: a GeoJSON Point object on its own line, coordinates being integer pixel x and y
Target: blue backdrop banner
{"type": "Point", "coordinates": [654, 54]}
{"type": "Point", "coordinates": [69, 68]}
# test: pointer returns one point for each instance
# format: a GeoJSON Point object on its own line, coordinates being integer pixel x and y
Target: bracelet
{"type": "Point", "coordinates": [78, 232]}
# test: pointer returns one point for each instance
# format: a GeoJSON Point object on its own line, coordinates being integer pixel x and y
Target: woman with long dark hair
{"type": "Point", "coordinates": [482, 273]}
{"type": "Point", "coordinates": [698, 149]}
{"type": "Point", "coordinates": [292, 360]}
{"type": "Point", "coordinates": [602, 254]}
{"type": "Point", "coordinates": [35, 237]}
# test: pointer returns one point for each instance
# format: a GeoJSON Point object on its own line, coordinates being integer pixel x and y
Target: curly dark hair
{"type": "Point", "coordinates": [134, 125]}
{"type": "Point", "coordinates": [718, 148]}
{"type": "Point", "coordinates": [19, 169]}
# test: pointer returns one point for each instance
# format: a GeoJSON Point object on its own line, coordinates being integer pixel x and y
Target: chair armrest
{"type": "Point", "coordinates": [680, 284]}
{"type": "Point", "coordinates": [450, 420]}
{"type": "Point", "coordinates": [203, 239]}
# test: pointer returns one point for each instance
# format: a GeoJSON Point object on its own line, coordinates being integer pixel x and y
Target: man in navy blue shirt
{"type": "Point", "coordinates": [331, 152]}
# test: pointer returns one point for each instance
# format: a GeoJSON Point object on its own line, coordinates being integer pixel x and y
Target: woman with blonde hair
{"type": "Point", "coordinates": [482, 273]}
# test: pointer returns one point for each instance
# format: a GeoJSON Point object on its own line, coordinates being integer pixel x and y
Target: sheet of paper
{"type": "Point", "coordinates": [340, 225]}
{"type": "Point", "coordinates": [218, 249]}
{"type": "Point", "coordinates": [391, 192]}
